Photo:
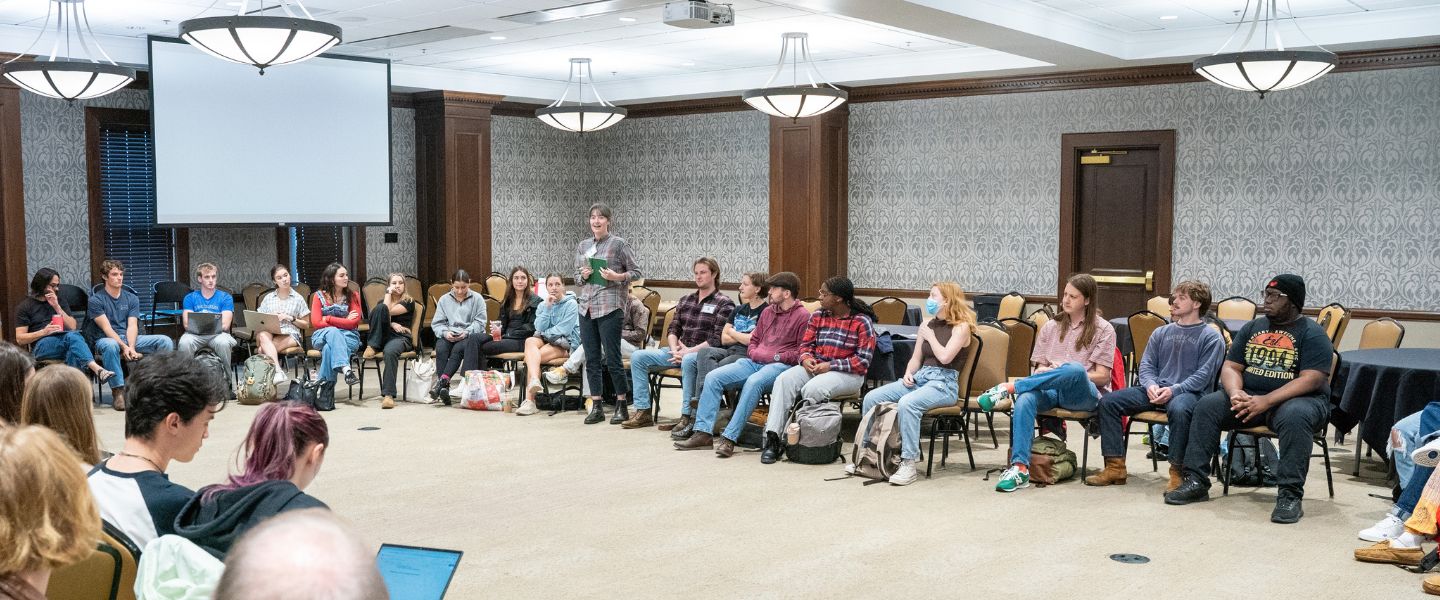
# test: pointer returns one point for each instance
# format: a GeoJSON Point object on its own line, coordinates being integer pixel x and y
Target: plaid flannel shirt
{"type": "Point", "coordinates": [847, 343]}
{"type": "Point", "coordinates": [693, 325]}
{"type": "Point", "coordinates": [599, 300]}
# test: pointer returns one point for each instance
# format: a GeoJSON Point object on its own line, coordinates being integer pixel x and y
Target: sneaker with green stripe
{"type": "Point", "coordinates": [995, 394]}
{"type": "Point", "coordinates": [1013, 479]}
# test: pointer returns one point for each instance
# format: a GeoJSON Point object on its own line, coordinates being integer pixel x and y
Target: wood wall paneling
{"type": "Point", "coordinates": [808, 197]}
{"type": "Point", "coordinates": [452, 182]}
{"type": "Point", "coordinates": [14, 282]}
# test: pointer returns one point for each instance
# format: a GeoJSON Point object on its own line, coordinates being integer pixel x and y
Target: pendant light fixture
{"type": "Point", "coordinates": [1265, 70]}
{"type": "Point", "coordinates": [580, 116]}
{"type": "Point", "coordinates": [796, 100]}
{"type": "Point", "coordinates": [66, 78]}
{"type": "Point", "coordinates": [262, 41]}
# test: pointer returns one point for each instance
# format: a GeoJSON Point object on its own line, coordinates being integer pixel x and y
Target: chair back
{"type": "Point", "coordinates": [1040, 317]}
{"type": "Point", "coordinates": [1219, 326]}
{"type": "Point", "coordinates": [414, 288]}
{"type": "Point", "coordinates": [495, 285]}
{"type": "Point", "coordinates": [640, 291]}
{"type": "Point", "coordinates": [170, 292]}
{"type": "Point", "coordinates": [1238, 308]}
{"type": "Point", "coordinates": [1022, 343]}
{"type": "Point", "coordinates": [811, 304]}
{"type": "Point", "coordinates": [651, 300]}
{"type": "Point", "coordinates": [108, 573]}
{"type": "Point", "coordinates": [415, 327]}
{"type": "Point", "coordinates": [664, 337]}
{"type": "Point", "coordinates": [889, 310]}
{"type": "Point", "coordinates": [1384, 332]}
{"type": "Point", "coordinates": [373, 293]}
{"type": "Point", "coordinates": [251, 293]}
{"type": "Point", "coordinates": [432, 298]}
{"type": "Point", "coordinates": [1334, 318]}
{"type": "Point", "coordinates": [965, 379]}
{"type": "Point", "coordinates": [303, 289]}
{"type": "Point", "coordinates": [993, 357]}
{"type": "Point", "coordinates": [492, 308]}
{"type": "Point", "coordinates": [1142, 324]}
{"type": "Point", "coordinates": [76, 301]}
{"type": "Point", "coordinates": [1012, 306]}
{"type": "Point", "coordinates": [1159, 305]}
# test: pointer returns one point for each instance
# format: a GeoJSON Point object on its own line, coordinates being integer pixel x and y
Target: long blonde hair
{"type": "Point", "coordinates": [58, 397]}
{"type": "Point", "coordinates": [955, 310]}
{"type": "Point", "coordinates": [405, 295]}
{"type": "Point", "coordinates": [48, 518]}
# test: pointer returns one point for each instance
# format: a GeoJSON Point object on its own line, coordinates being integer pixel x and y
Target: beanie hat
{"type": "Point", "coordinates": [1292, 286]}
{"type": "Point", "coordinates": [787, 280]}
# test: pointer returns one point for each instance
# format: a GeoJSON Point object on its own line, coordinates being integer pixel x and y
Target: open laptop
{"type": "Point", "coordinates": [257, 321]}
{"type": "Point", "coordinates": [200, 323]}
{"type": "Point", "coordinates": [415, 573]}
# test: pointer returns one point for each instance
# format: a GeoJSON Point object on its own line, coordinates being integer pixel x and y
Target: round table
{"type": "Point", "coordinates": [1376, 388]}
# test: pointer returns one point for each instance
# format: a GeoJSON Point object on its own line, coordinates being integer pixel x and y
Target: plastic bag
{"type": "Point", "coordinates": [484, 390]}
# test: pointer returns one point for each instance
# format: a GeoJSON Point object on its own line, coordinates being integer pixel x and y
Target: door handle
{"type": "Point", "coordinates": [1148, 280]}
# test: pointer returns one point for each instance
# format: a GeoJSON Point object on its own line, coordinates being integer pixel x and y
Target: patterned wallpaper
{"type": "Point", "coordinates": [1338, 181]}
{"type": "Point", "coordinates": [540, 186]}
{"type": "Point", "coordinates": [382, 258]}
{"type": "Point", "coordinates": [688, 186]}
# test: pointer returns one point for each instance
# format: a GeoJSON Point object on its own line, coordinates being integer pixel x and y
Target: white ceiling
{"type": "Point", "coordinates": [636, 57]}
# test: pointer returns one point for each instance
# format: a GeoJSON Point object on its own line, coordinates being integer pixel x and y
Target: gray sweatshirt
{"type": "Point", "coordinates": [1184, 356]}
{"type": "Point", "coordinates": [454, 315]}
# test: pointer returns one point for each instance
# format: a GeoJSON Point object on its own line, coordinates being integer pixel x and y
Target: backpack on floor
{"type": "Point", "coordinates": [819, 442]}
{"type": "Point", "coordinates": [879, 457]}
{"type": "Point", "coordinates": [1242, 466]}
{"type": "Point", "coordinates": [1050, 461]}
{"type": "Point", "coordinates": [257, 381]}
{"type": "Point", "coordinates": [211, 362]}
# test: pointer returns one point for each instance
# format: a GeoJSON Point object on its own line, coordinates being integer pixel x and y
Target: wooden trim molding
{"type": "Point", "coordinates": [695, 106]}
{"type": "Point", "coordinates": [14, 282]}
{"type": "Point", "coordinates": [514, 109]}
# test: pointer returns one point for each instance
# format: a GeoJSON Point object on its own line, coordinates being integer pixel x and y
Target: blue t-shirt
{"type": "Point", "coordinates": [117, 310]}
{"type": "Point", "coordinates": [220, 302]}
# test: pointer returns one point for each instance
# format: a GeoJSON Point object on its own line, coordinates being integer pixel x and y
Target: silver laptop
{"type": "Point", "coordinates": [257, 321]}
{"type": "Point", "coordinates": [415, 573]}
{"type": "Point", "coordinates": [200, 323]}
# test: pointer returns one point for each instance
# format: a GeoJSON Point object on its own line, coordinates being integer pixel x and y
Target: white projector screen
{"type": "Point", "coordinates": [302, 144]}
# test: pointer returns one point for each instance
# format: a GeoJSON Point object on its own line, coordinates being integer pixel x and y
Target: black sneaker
{"type": "Point", "coordinates": [1193, 489]}
{"type": "Point", "coordinates": [771, 452]}
{"type": "Point", "coordinates": [351, 378]}
{"type": "Point", "coordinates": [1287, 509]}
{"type": "Point", "coordinates": [442, 391]}
{"type": "Point", "coordinates": [597, 413]}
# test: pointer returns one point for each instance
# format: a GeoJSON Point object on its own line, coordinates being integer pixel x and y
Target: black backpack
{"type": "Point", "coordinates": [213, 363]}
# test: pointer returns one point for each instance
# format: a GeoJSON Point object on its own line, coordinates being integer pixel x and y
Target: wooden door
{"type": "Point", "coordinates": [1116, 215]}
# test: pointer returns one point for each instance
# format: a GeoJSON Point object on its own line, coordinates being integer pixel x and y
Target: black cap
{"type": "Point", "coordinates": [1292, 286]}
{"type": "Point", "coordinates": [787, 280]}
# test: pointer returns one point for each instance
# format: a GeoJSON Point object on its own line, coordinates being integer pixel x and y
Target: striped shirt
{"type": "Point", "coordinates": [1051, 351]}
{"type": "Point", "coordinates": [599, 300]}
{"type": "Point", "coordinates": [846, 343]}
{"type": "Point", "coordinates": [698, 320]}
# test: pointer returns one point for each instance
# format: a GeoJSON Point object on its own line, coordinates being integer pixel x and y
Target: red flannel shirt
{"type": "Point", "coordinates": [847, 344]}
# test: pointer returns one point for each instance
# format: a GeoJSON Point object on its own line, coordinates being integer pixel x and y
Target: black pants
{"type": "Point", "coordinates": [390, 343]}
{"type": "Point", "coordinates": [448, 354]}
{"type": "Point", "coordinates": [600, 337]}
{"type": "Point", "coordinates": [1296, 420]}
{"type": "Point", "coordinates": [491, 347]}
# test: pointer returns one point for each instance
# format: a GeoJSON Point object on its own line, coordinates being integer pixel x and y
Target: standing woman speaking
{"type": "Point", "coordinates": [602, 298]}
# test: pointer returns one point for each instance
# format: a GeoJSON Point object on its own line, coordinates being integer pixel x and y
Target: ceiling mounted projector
{"type": "Point", "coordinates": [698, 14]}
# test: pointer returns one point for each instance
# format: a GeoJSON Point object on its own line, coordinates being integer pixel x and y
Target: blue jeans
{"type": "Point", "coordinates": [1133, 400]}
{"type": "Point", "coordinates": [658, 359]}
{"type": "Point", "coordinates": [756, 379]}
{"type": "Point", "coordinates": [1066, 386]}
{"type": "Point", "coordinates": [70, 346]}
{"type": "Point", "coordinates": [335, 346]}
{"type": "Point", "coordinates": [109, 351]}
{"type": "Point", "coordinates": [1412, 478]}
{"type": "Point", "coordinates": [934, 387]}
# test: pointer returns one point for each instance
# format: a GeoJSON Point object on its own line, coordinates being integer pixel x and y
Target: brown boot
{"type": "Point", "coordinates": [1177, 476]}
{"type": "Point", "coordinates": [642, 418]}
{"type": "Point", "coordinates": [724, 448]}
{"type": "Point", "coordinates": [699, 441]}
{"type": "Point", "coordinates": [1114, 473]}
{"type": "Point", "coordinates": [117, 395]}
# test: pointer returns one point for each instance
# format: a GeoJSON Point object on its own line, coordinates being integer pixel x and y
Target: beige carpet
{"type": "Point", "coordinates": [548, 507]}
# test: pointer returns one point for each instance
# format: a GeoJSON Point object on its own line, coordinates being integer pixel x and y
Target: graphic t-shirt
{"type": "Point", "coordinates": [744, 318]}
{"type": "Point", "coordinates": [217, 303]}
{"type": "Point", "coordinates": [1274, 355]}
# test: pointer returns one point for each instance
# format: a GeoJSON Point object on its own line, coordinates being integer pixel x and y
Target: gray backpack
{"type": "Point", "coordinates": [819, 442]}
{"type": "Point", "coordinates": [879, 457]}
{"type": "Point", "coordinates": [257, 382]}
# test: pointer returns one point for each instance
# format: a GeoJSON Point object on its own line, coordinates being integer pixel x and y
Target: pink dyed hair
{"type": "Point", "coordinates": [280, 432]}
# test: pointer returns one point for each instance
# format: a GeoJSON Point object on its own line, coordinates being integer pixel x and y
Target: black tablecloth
{"type": "Point", "coordinates": [902, 338]}
{"type": "Point", "coordinates": [1234, 325]}
{"type": "Point", "coordinates": [1376, 388]}
{"type": "Point", "coordinates": [1122, 335]}
{"type": "Point", "coordinates": [913, 316]}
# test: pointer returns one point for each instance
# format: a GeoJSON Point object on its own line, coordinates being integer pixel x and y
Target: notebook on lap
{"type": "Point", "coordinates": [415, 573]}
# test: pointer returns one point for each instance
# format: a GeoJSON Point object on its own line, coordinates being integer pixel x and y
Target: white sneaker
{"type": "Point", "coordinates": [1427, 455]}
{"type": "Point", "coordinates": [906, 474]}
{"type": "Point", "coordinates": [1388, 528]}
{"type": "Point", "coordinates": [849, 469]}
{"type": "Point", "coordinates": [280, 377]}
{"type": "Point", "coordinates": [527, 408]}
{"type": "Point", "coordinates": [534, 385]}
{"type": "Point", "coordinates": [557, 376]}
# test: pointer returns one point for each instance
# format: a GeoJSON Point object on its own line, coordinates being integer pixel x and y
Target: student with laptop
{"type": "Point", "coordinates": [288, 309]}
{"type": "Point", "coordinates": [114, 323]}
{"type": "Point", "coordinates": [206, 316]}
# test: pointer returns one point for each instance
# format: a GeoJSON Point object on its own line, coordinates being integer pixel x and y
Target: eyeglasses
{"type": "Point", "coordinates": [824, 292]}
{"type": "Point", "coordinates": [1274, 295]}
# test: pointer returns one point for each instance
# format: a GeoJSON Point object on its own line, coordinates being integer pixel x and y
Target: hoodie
{"type": "Point", "coordinates": [561, 319]}
{"type": "Point", "coordinates": [215, 524]}
{"type": "Point", "coordinates": [455, 315]}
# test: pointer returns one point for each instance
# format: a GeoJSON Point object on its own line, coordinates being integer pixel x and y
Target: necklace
{"type": "Point", "coordinates": [146, 459]}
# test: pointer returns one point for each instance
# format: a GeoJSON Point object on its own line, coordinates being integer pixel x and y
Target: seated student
{"type": "Point", "coordinates": [114, 324]}
{"type": "Point", "coordinates": [557, 330]}
{"type": "Point", "coordinates": [335, 313]}
{"type": "Point", "coordinates": [699, 318]}
{"type": "Point", "coordinates": [58, 397]}
{"type": "Point", "coordinates": [1405, 439]}
{"type": "Point", "coordinates": [211, 300]}
{"type": "Point", "coordinates": [459, 325]}
{"type": "Point", "coordinates": [517, 317]}
{"type": "Point", "coordinates": [293, 311]}
{"type": "Point", "coordinates": [633, 331]}
{"type": "Point", "coordinates": [41, 531]}
{"type": "Point", "coordinates": [282, 454]}
{"type": "Point", "coordinates": [1072, 359]}
{"type": "Point", "coordinates": [835, 353]}
{"type": "Point", "coordinates": [1412, 520]}
{"type": "Point", "coordinates": [774, 346]}
{"type": "Point", "coordinates": [15, 368]}
{"type": "Point", "coordinates": [35, 326]}
{"type": "Point", "coordinates": [931, 378]}
{"type": "Point", "coordinates": [734, 344]}
{"type": "Point", "coordinates": [1180, 363]}
{"type": "Point", "coordinates": [173, 400]}
{"type": "Point", "coordinates": [281, 559]}
{"type": "Point", "coordinates": [1275, 375]}
{"type": "Point", "coordinates": [390, 322]}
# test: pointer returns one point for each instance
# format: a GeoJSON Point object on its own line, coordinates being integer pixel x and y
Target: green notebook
{"type": "Point", "coordinates": [595, 265]}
